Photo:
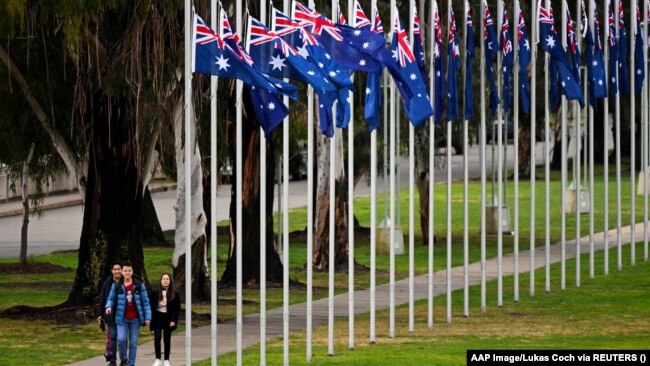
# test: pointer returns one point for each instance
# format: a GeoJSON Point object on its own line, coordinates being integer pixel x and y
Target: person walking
{"type": "Point", "coordinates": [132, 310]}
{"type": "Point", "coordinates": [106, 322]}
{"type": "Point", "coordinates": [166, 307]}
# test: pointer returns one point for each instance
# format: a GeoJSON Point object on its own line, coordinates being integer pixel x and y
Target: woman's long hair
{"type": "Point", "coordinates": [170, 289]}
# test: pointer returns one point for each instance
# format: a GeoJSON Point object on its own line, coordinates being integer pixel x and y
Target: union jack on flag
{"type": "Point", "coordinates": [404, 52]}
{"type": "Point", "coordinates": [259, 34]}
{"type": "Point", "coordinates": [341, 16]}
{"type": "Point", "coordinates": [378, 26]}
{"type": "Point", "coordinates": [612, 26]}
{"type": "Point", "coordinates": [307, 17]}
{"type": "Point", "coordinates": [360, 18]}
{"type": "Point", "coordinates": [205, 34]}
{"type": "Point", "coordinates": [453, 42]}
{"type": "Point", "coordinates": [505, 28]}
{"type": "Point", "coordinates": [228, 35]}
{"type": "Point", "coordinates": [283, 25]}
{"type": "Point", "coordinates": [521, 27]}
{"type": "Point", "coordinates": [571, 32]}
{"type": "Point", "coordinates": [488, 22]}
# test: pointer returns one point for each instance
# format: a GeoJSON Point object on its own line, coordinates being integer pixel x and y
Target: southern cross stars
{"type": "Point", "coordinates": [550, 41]}
{"type": "Point", "coordinates": [222, 62]}
{"type": "Point", "coordinates": [277, 63]}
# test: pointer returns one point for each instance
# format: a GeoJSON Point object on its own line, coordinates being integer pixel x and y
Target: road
{"type": "Point", "coordinates": [59, 229]}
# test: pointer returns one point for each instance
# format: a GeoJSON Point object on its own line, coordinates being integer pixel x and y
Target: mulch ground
{"type": "Point", "coordinates": [31, 268]}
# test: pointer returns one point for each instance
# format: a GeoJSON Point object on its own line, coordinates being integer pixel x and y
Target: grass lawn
{"type": "Point", "coordinates": [607, 312]}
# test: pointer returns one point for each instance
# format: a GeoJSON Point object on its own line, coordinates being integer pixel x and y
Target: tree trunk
{"type": "Point", "coordinates": [556, 159]}
{"type": "Point", "coordinates": [111, 223]}
{"type": "Point", "coordinates": [25, 197]}
{"type": "Point", "coordinates": [198, 218]}
{"type": "Point", "coordinates": [599, 133]}
{"type": "Point", "coordinates": [320, 256]}
{"type": "Point", "coordinates": [251, 204]}
{"type": "Point", "coordinates": [524, 150]}
{"type": "Point", "coordinates": [422, 176]}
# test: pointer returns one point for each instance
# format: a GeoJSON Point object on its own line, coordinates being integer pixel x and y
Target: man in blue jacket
{"type": "Point", "coordinates": [102, 318]}
{"type": "Point", "coordinates": [130, 302]}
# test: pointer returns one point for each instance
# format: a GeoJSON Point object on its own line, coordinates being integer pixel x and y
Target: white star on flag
{"type": "Point", "coordinates": [357, 32]}
{"type": "Point", "coordinates": [638, 72]}
{"type": "Point", "coordinates": [595, 63]}
{"type": "Point", "coordinates": [271, 106]}
{"type": "Point", "coordinates": [332, 74]}
{"type": "Point", "coordinates": [302, 51]}
{"type": "Point", "coordinates": [550, 41]}
{"type": "Point", "coordinates": [413, 77]}
{"type": "Point", "coordinates": [277, 62]}
{"type": "Point", "coordinates": [368, 91]}
{"type": "Point", "coordinates": [366, 45]}
{"type": "Point", "coordinates": [362, 62]}
{"type": "Point", "coordinates": [311, 73]}
{"type": "Point", "coordinates": [526, 44]}
{"type": "Point", "coordinates": [600, 82]}
{"type": "Point", "coordinates": [222, 62]}
{"type": "Point", "coordinates": [320, 65]}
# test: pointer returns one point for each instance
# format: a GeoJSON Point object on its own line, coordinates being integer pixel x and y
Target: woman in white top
{"type": "Point", "coordinates": [166, 306]}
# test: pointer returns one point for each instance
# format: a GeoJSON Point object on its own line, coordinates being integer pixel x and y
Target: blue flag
{"type": "Point", "coordinates": [373, 83]}
{"type": "Point", "coordinates": [613, 54]}
{"type": "Point", "coordinates": [490, 42]}
{"type": "Point", "coordinates": [440, 90]}
{"type": "Point", "coordinates": [639, 71]}
{"type": "Point", "coordinates": [470, 49]}
{"type": "Point", "coordinates": [524, 61]}
{"type": "Point", "coordinates": [213, 56]}
{"type": "Point", "coordinates": [404, 69]}
{"type": "Point", "coordinates": [551, 43]}
{"type": "Point", "coordinates": [508, 59]}
{"type": "Point", "coordinates": [270, 111]}
{"type": "Point", "coordinates": [418, 50]}
{"type": "Point", "coordinates": [553, 92]}
{"type": "Point", "coordinates": [623, 71]}
{"type": "Point", "coordinates": [331, 37]}
{"type": "Point", "coordinates": [596, 83]}
{"type": "Point", "coordinates": [453, 64]}
{"type": "Point", "coordinates": [574, 50]}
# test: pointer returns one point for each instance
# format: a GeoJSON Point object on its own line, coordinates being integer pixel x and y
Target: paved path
{"type": "Point", "coordinates": [201, 340]}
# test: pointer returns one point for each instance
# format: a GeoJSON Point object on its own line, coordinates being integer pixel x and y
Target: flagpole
{"type": "Point", "coordinates": [646, 116]}
{"type": "Point", "coordinates": [483, 172]}
{"type": "Point", "coordinates": [432, 37]}
{"type": "Point", "coordinates": [239, 180]}
{"type": "Point", "coordinates": [605, 145]}
{"type": "Point", "coordinates": [564, 164]}
{"type": "Point", "coordinates": [411, 198]}
{"type": "Point", "coordinates": [533, 143]}
{"type": "Point", "coordinates": [391, 321]}
{"type": "Point", "coordinates": [187, 77]}
{"type": "Point", "coordinates": [592, 8]}
{"type": "Point", "coordinates": [547, 172]}
{"type": "Point", "coordinates": [373, 208]}
{"type": "Point", "coordinates": [619, 223]}
{"type": "Point", "coordinates": [332, 226]}
{"type": "Point", "coordinates": [213, 203]}
{"type": "Point", "coordinates": [353, 23]}
{"type": "Point", "coordinates": [500, 79]}
{"type": "Point", "coordinates": [465, 182]}
{"type": "Point", "coordinates": [633, 29]}
{"type": "Point", "coordinates": [449, 239]}
{"type": "Point", "coordinates": [576, 157]}
{"type": "Point", "coordinates": [515, 47]}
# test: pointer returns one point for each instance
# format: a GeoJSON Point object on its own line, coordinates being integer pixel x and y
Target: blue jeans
{"type": "Point", "coordinates": [132, 326]}
{"type": "Point", "coordinates": [112, 328]}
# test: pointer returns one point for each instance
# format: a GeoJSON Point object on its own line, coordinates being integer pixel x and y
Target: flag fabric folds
{"type": "Point", "coordinates": [639, 71]}
{"type": "Point", "coordinates": [418, 49]}
{"type": "Point", "coordinates": [453, 64]}
{"type": "Point", "coordinates": [551, 43]}
{"type": "Point", "coordinates": [574, 50]}
{"type": "Point", "coordinates": [490, 43]}
{"type": "Point", "coordinates": [613, 52]}
{"type": "Point", "coordinates": [508, 59]}
{"type": "Point", "coordinates": [596, 83]}
{"type": "Point", "coordinates": [373, 84]}
{"type": "Point", "coordinates": [469, 58]}
{"type": "Point", "coordinates": [524, 61]}
{"type": "Point", "coordinates": [623, 71]}
{"type": "Point", "coordinates": [438, 66]}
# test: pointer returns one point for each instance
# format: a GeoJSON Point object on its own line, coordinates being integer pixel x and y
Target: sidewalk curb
{"type": "Point", "coordinates": [77, 201]}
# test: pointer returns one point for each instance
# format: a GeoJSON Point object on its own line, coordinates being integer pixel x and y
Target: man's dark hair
{"type": "Point", "coordinates": [127, 263]}
{"type": "Point", "coordinates": [119, 263]}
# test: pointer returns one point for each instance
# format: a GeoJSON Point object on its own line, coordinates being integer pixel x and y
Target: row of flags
{"type": "Point", "coordinates": [310, 48]}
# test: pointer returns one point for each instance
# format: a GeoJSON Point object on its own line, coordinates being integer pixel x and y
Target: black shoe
{"type": "Point", "coordinates": [112, 363]}
{"type": "Point", "coordinates": [124, 363]}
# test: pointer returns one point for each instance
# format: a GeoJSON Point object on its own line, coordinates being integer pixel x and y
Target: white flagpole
{"type": "Point", "coordinates": [239, 181]}
{"type": "Point", "coordinates": [310, 211]}
{"type": "Point", "coordinates": [411, 198]}
{"type": "Point", "coordinates": [187, 77]}
{"type": "Point", "coordinates": [576, 157]}
{"type": "Point", "coordinates": [482, 149]}
{"type": "Point", "coordinates": [391, 321]}
{"type": "Point", "coordinates": [465, 181]}
{"type": "Point", "coordinates": [515, 84]}
{"type": "Point", "coordinates": [605, 142]}
{"type": "Point", "coordinates": [432, 37]}
{"type": "Point", "coordinates": [449, 192]}
{"type": "Point", "coordinates": [592, 8]}
{"type": "Point", "coordinates": [632, 134]}
{"type": "Point", "coordinates": [285, 228]}
{"type": "Point", "coordinates": [373, 209]}
{"type": "Point", "coordinates": [564, 164]}
{"type": "Point", "coordinates": [533, 142]}
{"type": "Point", "coordinates": [213, 203]}
{"type": "Point", "coordinates": [263, 17]}
{"type": "Point", "coordinates": [646, 116]}
{"type": "Point", "coordinates": [619, 222]}
{"type": "Point", "coordinates": [332, 225]}
{"type": "Point", "coordinates": [500, 123]}
{"type": "Point", "coordinates": [352, 20]}
{"type": "Point", "coordinates": [547, 173]}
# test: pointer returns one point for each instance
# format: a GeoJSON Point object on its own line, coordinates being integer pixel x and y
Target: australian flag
{"type": "Point", "coordinates": [596, 82]}
{"type": "Point", "coordinates": [213, 56]}
{"type": "Point", "coordinates": [508, 58]}
{"type": "Point", "coordinates": [470, 49]}
{"type": "Point", "coordinates": [490, 42]}
{"type": "Point", "coordinates": [639, 72]}
{"type": "Point", "coordinates": [573, 46]}
{"type": "Point", "coordinates": [414, 94]}
{"type": "Point", "coordinates": [373, 83]}
{"type": "Point", "coordinates": [453, 64]}
{"type": "Point", "coordinates": [438, 66]}
{"type": "Point", "coordinates": [524, 61]}
{"type": "Point", "coordinates": [551, 44]}
{"type": "Point", "coordinates": [623, 71]}
{"type": "Point", "coordinates": [418, 50]}
{"type": "Point", "coordinates": [613, 52]}
{"type": "Point", "coordinates": [329, 35]}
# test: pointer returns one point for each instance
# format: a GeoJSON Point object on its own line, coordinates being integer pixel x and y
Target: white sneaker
{"type": "Point", "coordinates": [166, 363]}
{"type": "Point", "coordinates": [157, 363]}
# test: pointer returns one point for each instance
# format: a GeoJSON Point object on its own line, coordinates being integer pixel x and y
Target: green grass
{"type": "Point", "coordinates": [607, 312]}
